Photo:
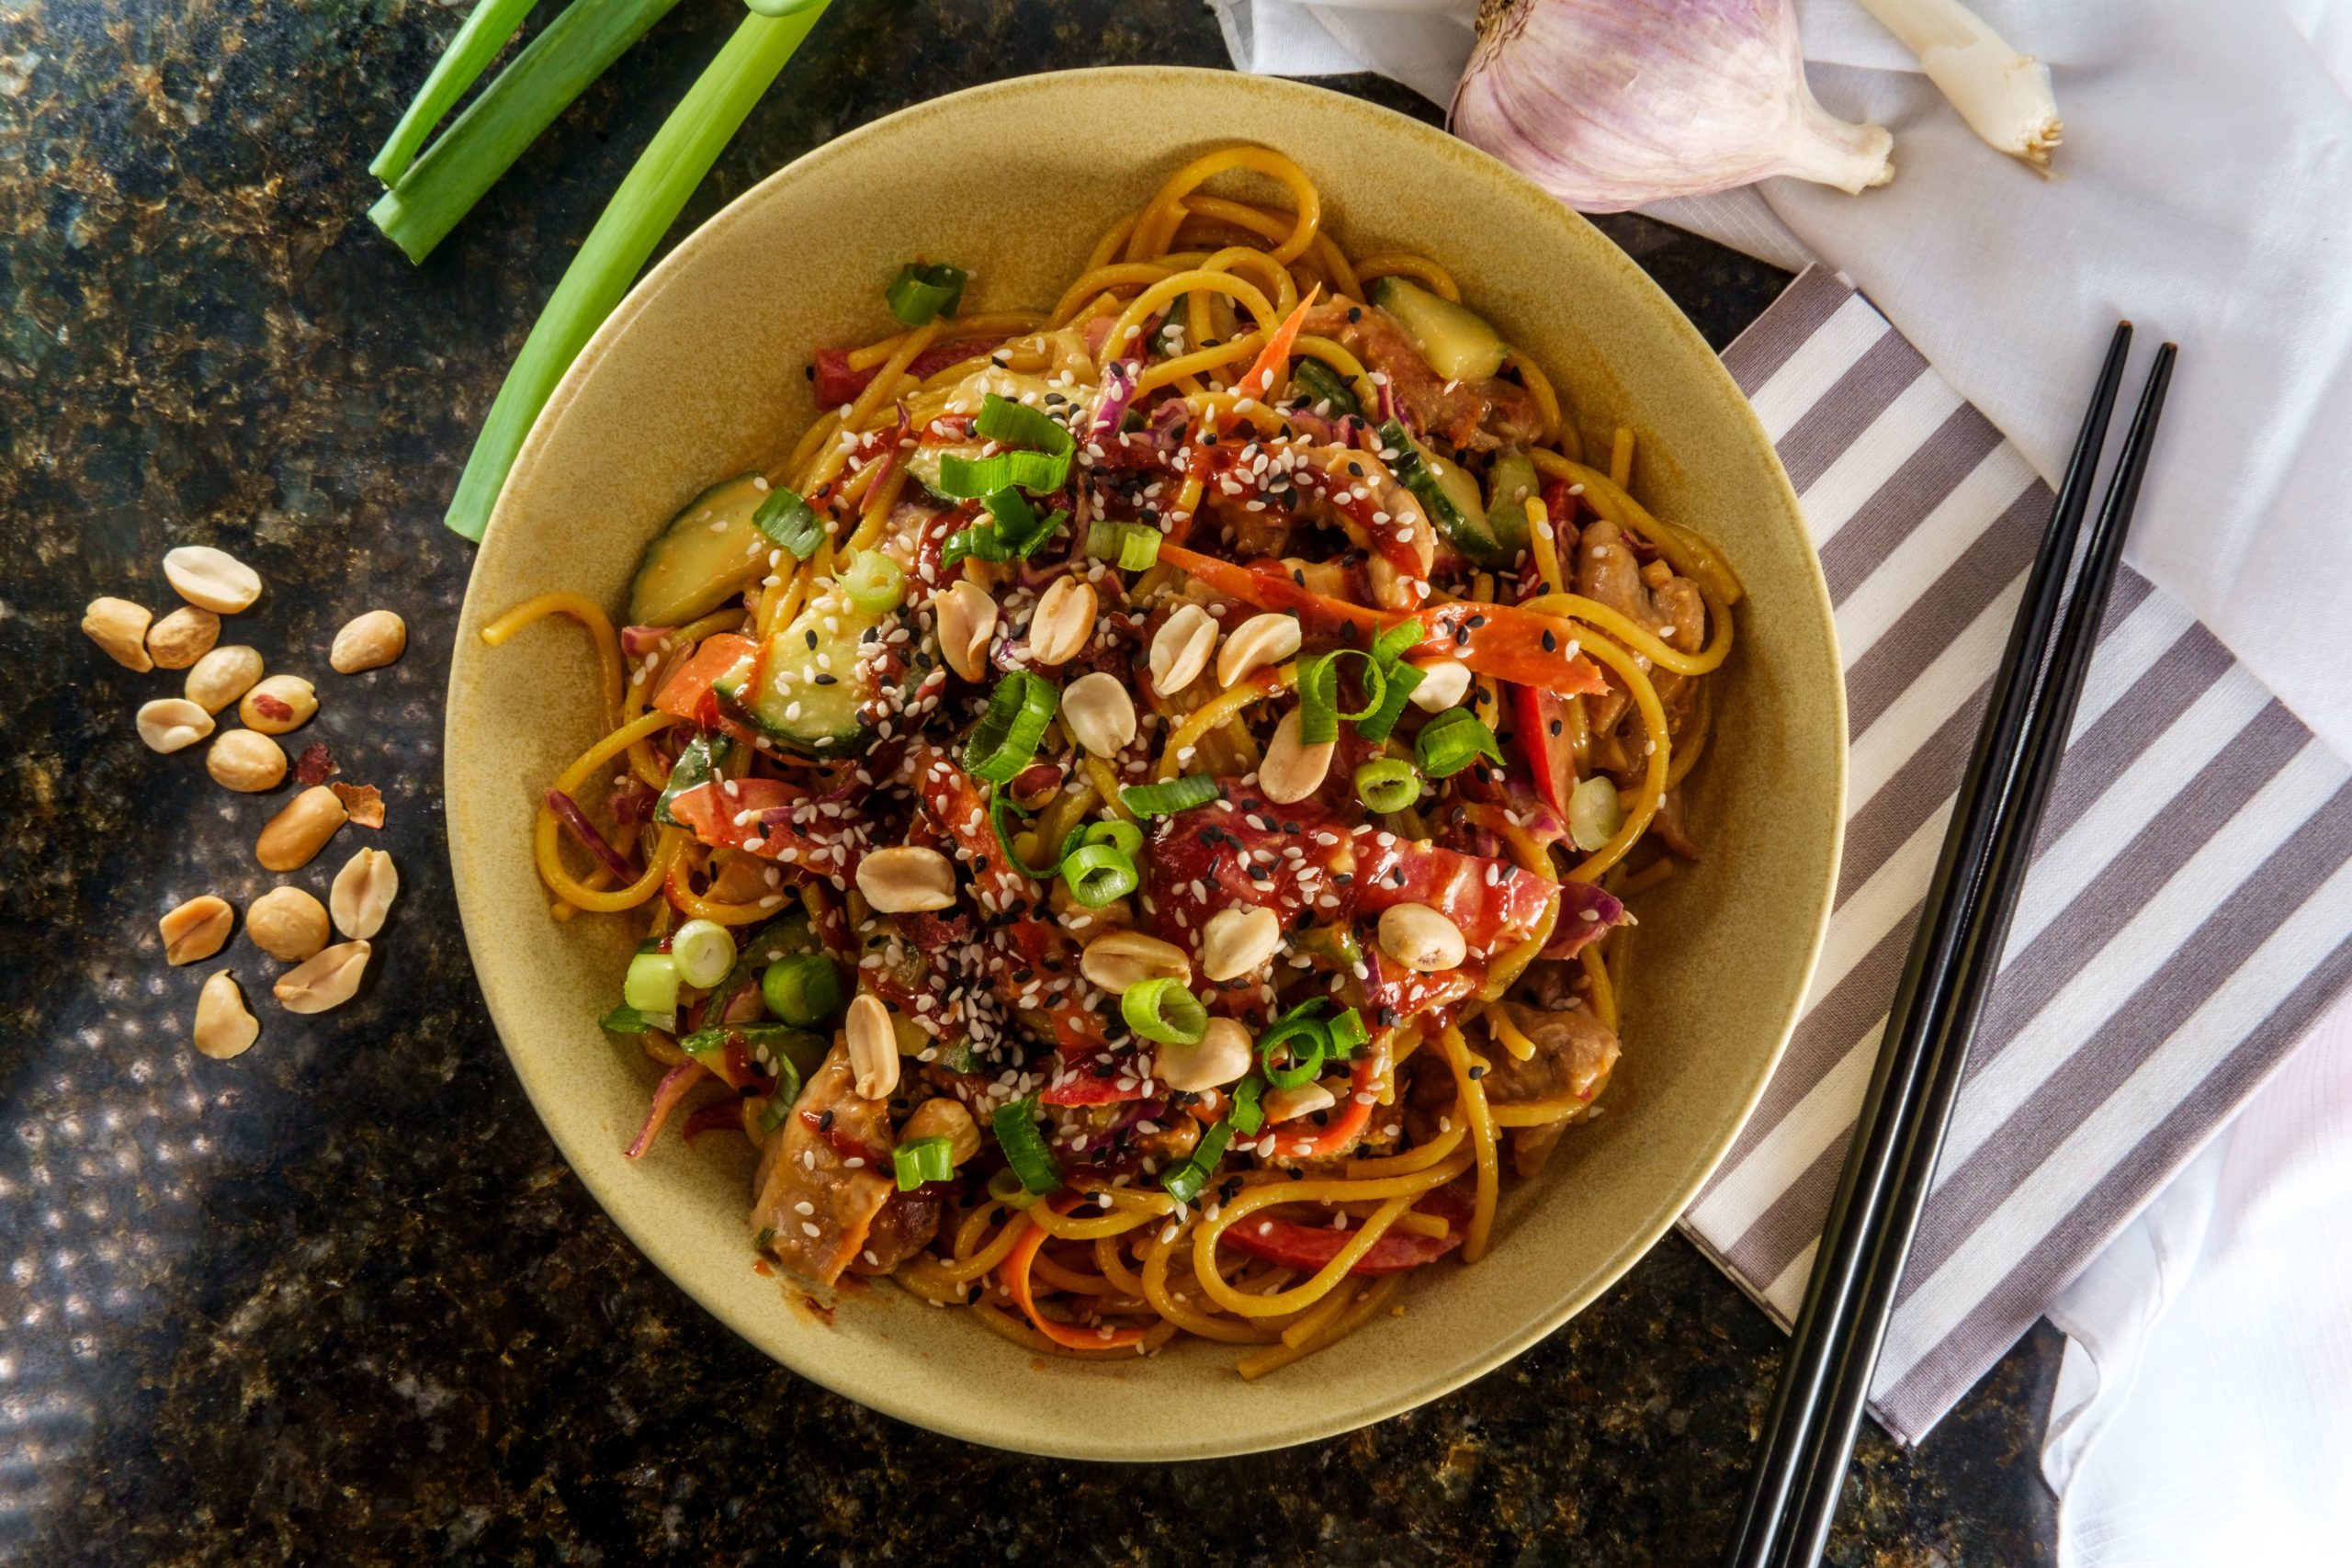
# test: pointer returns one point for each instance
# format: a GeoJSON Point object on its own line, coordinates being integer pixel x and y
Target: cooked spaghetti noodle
{"type": "Point", "coordinates": [1200, 730]}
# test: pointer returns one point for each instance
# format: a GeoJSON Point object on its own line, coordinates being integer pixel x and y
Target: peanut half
{"type": "Point", "coordinates": [288, 924]}
{"type": "Point", "coordinates": [327, 980]}
{"type": "Point", "coordinates": [873, 1046]}
{"type": "Point", "coordinates": [182, 637]}
{"type": "Point", "coordinates": [245, 760]}
{"type": "Point", "coordinates": [362, 892]}
{"type": "Point", "coordinates": [279, 704]}
{"type": "Point", "coordinates": [368, 642]}
{"type": "Point", "coordinates": [197, 929]}
{"type": "Point", "coordinates": [289, 839]}
{"type": "Point", "coordinates": [120, 627]}
{"type": "Point", "coordinates": [211, 580]}
{"type": "Point", "coordinates": [223, 675]}
{"type": "Point", "coordinates": [224, 1026]}
{"type": "Point", "coordinates": [172, 724]}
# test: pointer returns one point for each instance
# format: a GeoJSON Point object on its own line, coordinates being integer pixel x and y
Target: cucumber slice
{"type": "Point", "coordinates": [1511, 483]}
{"type": "Point", "coordinates": [1457, 342]}
{"type": "Point", "coordinates": [1319, 384]}
{"type": "Point", "coordinates": [1449, 495]}
{"type": "Point", "coordinates": [709, 553]}
{"type": "Point", "coordinates": [805, 686]}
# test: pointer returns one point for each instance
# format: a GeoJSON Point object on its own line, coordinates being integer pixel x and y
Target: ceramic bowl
{"type": "Point", "coordinates": [700, 375]}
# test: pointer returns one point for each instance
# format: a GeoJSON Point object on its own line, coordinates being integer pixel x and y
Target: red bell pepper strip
{"type": "Point", "coordinates": [1507, 642]}
{"type": "Point", "coordinates": [837, 384]}
{"type": "Point", "coordinates": [1543, 737]}
{"type": "Point", "coordinates": [1309, 1247]}
{"type": "Point", "coordinates": [684, 692]}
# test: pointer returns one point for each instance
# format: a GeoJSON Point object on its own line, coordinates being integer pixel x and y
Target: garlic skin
{"type": "Point", "coordinates": [1610, 104]}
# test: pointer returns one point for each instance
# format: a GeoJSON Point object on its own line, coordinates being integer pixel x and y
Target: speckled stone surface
{"type": "Point", "coordinates": [338, 1301]}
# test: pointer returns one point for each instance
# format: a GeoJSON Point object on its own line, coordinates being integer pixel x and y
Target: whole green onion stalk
{"type": "Point", "coordinates": [640, 212]}
{"type": "Point", "coordinates": [469, 55]}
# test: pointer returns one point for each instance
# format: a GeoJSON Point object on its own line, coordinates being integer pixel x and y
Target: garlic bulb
{"type": "Point", "coordinates": [1608, 104]}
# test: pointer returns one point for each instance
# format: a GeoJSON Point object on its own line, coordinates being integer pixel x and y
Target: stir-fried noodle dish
{"type": "Point", "coordinates": [1131, 815]}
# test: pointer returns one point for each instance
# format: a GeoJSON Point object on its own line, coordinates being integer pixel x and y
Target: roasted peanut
{"type": "Point", "coordinates": [1064, 622]}
{"type": "Point", "coordinates": [966, 626]}
{"type": "Point", "coordinates": [211, 580]}
{"type": "Point", "coordinates": [120, 627]}
{"type": "Point", "coordinates": [223, 675]}
{"type": "Point", "coordinates": [1099, 713]}
{"type": "Point", "coordinates": [1420, 938]}
{"type": "Point", "coordinates": [197, 928]}
{"type": "Point", "coordinates": [182, 637]}
{"type": "Point", "coordinates": [279, 704]}
{"type": "Point", "coordinates": [363, 892]}
{"type": "Point", "coordinates": [368, 642]}
{"type": "Point", "coordinates": [1444, 681]}
{"type": "Point", "coordinates": [1181, 650]}
{"type": "Point", "coordinates": [873, 1046]}
{"type": "Point", "coordinates": [907, 877]}
{"type": "Point", "coordinates": [1116, 959]}
{"type": "Point", "coordinates": [245, 760]}
{"type": "Point", "coordinates": [288, 924]}
{"type": "Point", "coordinates": [1290, 1104]}
{"type": "Point", "coordinates": [1291, 770]}
{"type": "Point", "coordinates": [172, 724]}
{"type": "Point", "coordinates": [328, 979]}
{"type": "Point", "coordinates": [301, 831]}
{"type": "Point", "coordinates": [1237, 942]}
{"type": "Point", "coordinates": [944, 1118]}
{"type": "Point", "coordinates": [224, 1027]}
{"type": "Point", "coordinates": [1256, 643]}
{"type": "Point", "coordinates": [1222, 1055]}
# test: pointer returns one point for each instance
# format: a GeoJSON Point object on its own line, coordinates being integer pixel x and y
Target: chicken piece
{"type": "Point", "coordinates": [1574, 1053]}
{"type": "Point", "coordinates": [1653, 596]}
{"type": "Point", "coordinates": [904, 1228]}
{"type": "Point", "coordinates": [818, 1206]}
{"type": "Point", "coordinates": [1481, 416]}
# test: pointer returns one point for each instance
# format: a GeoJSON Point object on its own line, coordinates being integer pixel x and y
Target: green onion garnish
{"type": "Point", "coordinates": [1347, 1033]}
{"type": "Point", "coordinates": [918, 1160]}
{"type": "Point", "coordinates": [640, 212]}
{"type": "Point", "coordinates": [1161, 1008]}
{"type": "Point", "coordinates": [921, 294]}
{"type": "Point", "coordinates": [1302, 1040]}
{"type": "Point", "coordinates": [1381, 724]}
{"type": "Point", "coordinates": [623, 1020]}
{"type": "Point", "coordinates": [1190, 1179]}
{"type": "Point", "coordinates": [971, 477]}
{"type": "Point", "coordinates": [1005, 1188]}
{"type": "Point", "coordinates": [1007, 736]}
{"type": "Point", "coordinates": [1015, 1125]}
{"type": "Point", "coordinates": [1398, 641]}
{"type": "Point", "coordinates": [1321, 384]}
{"type": "Point", "coordinates": [1018, 425]}
{"type": "Point", "coordinates": [875, 583]}
{"type": "Point", "coordinates": [1451, 741]}
{"type": "Point", "coordinates": [1170, 796]}
{"type": "Point", "coordinates": [1247, 1115]}
{"type": "Point", "coordinates": [703, 951]}
{"type": "Point", "coordinates": [978, 544]}
{"type": "Point", "coordinates": [999, 805]}
{"type": "Point", "coordinates": [789, 522]}
{"type": "Point", "coordinates": [1099, 872]}
{"type": "Point", "coordinates": [779, 1110]}
{"type": "Point", "coordinates": [1125, 837]}
{"type": "Point", "coordinates": [804, 990]}
{"type": "Point", "coordinates": [652, 984]}
{"type": "Point", "coordinates": [1319, 694]}
{"type": "Point", "coordinates": [1388, 784]}
{"type": "Point", "coordinates": [1018, 527]}
{"type": "Point", "coordinates": [1131, 546]}
{"type": "Point", "coordinates": [483, 34]}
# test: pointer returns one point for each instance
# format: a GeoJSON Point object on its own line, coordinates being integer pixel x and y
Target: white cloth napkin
{"type": "Point", "coordinates": [2205, 191]}
{"type": "Point", "coordinates": [2201, 1412]}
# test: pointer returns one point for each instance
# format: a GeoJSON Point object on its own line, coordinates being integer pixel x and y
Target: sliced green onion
{"type": "Point", "coordinates": [1017, 424]}
{"type": "Point", "coordinates": [975, 544]}
{"type": "Point", "coordinates": [1247, 1115]}
{"type": "Point", "coordinates": [999, 805]}
{"type": "Point", "coordinates": [1169, 796]}
{"type": "Point", "coordinates": [477, 43]}
{"type": "Point", "coordinates": [921, 294]}
{"type": "Point", "coordinates": [1015, 1125]}
{"type": "Point", "coordinates": [1007, 736]}
{"type": "Point", "coordinates": [778, 7]}
{"type": "Point", "coordinates": [1125, 837]}
{"type": "Point", "coordinates": [1451, 741]}
{"type": "Point", "coordinates": [623, 1020]}
{"type": "Point", "coordinates": [1131, 546]}
{"type": "Point", "coordinates": [703, 951]}
{"type": "Point", "coordinates": [1594, 813]}
{"type": "Point", "coordinates": [1321, 384]}
{"type": "Point", "coordinates": [1398, 640]}
{"type": "Point", "coordinates": [918, 1160]}
{"type": "Point", "coordinates": [1099, 872]}
{"type": "Point", "coordinates": [1388, 784]}
{"type": "Point", "coordinates": [1319, 694]}
{"type": "Point", "coordinates": [1161, 1008]}
{"type": "Point", "coordinates": [1347, 1033]}
{"type": "Point", "coordinates": [789, 522]}
{"type": "Point", "coordinates": [875, 583]}
{"type": "Point", "coordinates": [971, 477]}
{"type": "Point", "coordinates": [1018, 527]}
{"type": "Point", "coordinates": [640, 212]}
{"type": "Point", "coordinates": [798, 1052]}
{"type": "Point", "coordinates": [1303, 1041]}
{"type": "Point", "coordinates": [1402, 679]}
{"type": "Point", "coordinates": [804, 990]}
{"type": "Point", "coordinates": [1005, 1188]}
{"type": "Point", "coordinates": [652, 984]}
{"type": "Point", "coordinates": [704, 1044]}
{"type": "Point", "coordinates": [1188, 1181]}
{"type": "Point", "coordinates": [779, 1110]}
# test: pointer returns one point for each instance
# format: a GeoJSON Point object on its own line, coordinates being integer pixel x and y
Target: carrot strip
{"type": "Point", "coordinates": [1274, 358]}
{"type": "Point", "coordinates": [1015, 1273]}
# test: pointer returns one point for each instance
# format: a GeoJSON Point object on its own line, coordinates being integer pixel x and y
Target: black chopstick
{"type": "Point", "coordinates": [1924, 1001]}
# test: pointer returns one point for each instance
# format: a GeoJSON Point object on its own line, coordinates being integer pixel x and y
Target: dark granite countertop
{"type": "Point", "coordinates": [339, 1300]}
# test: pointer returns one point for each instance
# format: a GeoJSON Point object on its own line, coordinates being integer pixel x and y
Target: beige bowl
{"type": "Point", "coordinates": [698, 375]}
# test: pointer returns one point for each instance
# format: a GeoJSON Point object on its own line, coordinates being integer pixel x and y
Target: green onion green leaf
{"type": "Point", "coordinates": [1099, 872]}
{"type": "Point", "coordinates": [920, 294]}
{"type": "Point", "coordinates": [918, 1160]}
{"type": "Point", "coordinates": [1131, 546]}
{"type": "Point", "coordinates": [1388, 784]}
{"type": "Point", "coordinates": [1451, 741]}
{"type": "Point", "coordinates": [1007, 736]}
{"type": "Point", "coordinates": [1161, 1008]}
{"type": "Point", "coordinates": [1015, 1125]}
{"type": "Point", "coordinates": [1170, 796]}
{"type": "Point", "coordinates": [789, 522]}
{"type": "Point", "coordinates": [804, 990]}
{"type": "Point", "coordinates": [875, 583]}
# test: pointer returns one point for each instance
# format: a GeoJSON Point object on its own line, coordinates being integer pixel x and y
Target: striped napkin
{"type": "Point", "coordinates": [2189, 914]}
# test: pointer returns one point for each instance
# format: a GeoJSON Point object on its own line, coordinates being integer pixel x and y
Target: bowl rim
{"type": "Point", "coordinates": [946, 1417]}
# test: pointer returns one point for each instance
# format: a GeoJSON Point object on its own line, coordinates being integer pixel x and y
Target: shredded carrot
{"type": "Point", "coordinates": [1015, 1273]}
{"type": "Point", "coordinates": [1274, 359]}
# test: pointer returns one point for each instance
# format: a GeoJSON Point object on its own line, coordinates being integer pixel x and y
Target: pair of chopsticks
{"type": "Point", "coordinates": [1817, 1408]}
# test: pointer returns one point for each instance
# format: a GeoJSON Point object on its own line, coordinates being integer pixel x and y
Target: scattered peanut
{"type": "Point", "coordinates": [944, 1118]}
{"type": "Point", "coordinates": [967, 626]}
{"type": "Point", "coordinates": [1291, 770]}
{"type": "Point", "coordinates": [1290, 1104]}
{"type": "Point", "coordinates": [1444, 681]}
{"type": "Point", "coordinates": [1420, 938]}
{"type": "Point", "coordinates": [1181, 650]}
{"type": "Point", "coordinates": [182, 637]}
{"type": "Point", "coordinates": [1116, 959]}
{"type": "Point", "coordinates": [120, 627]}
{"type": "Point", "coordinates": [245, 760]}
{"type": "Point", "coordinates": [368, 642]}
{"type": "Point", "coordinates": [1099, 713]}
{"type": "Point", "coordinates": [289, 839]}
{"type": "Point", "coordinates": [362, 892]}
{"type": "Point", "coordinates": [288, 924]}
{"type": "Point", "coordinates": [173, 724]}
{"type": "Point", "coordinates": [224, 1027]}
{"type": "Point", "coordinates": [212, 580]}
{"type": "Point", "coordinates": [1064, 622]}
{"type": "Point", "coordinates": [1223, 1054]}
{"type": "Point", "coordinates": [197, 928]}
{"type": "Point", "coordinates": [1237, 942]}
{"type": "Point", "coordinates": [223, 675]}
{"type": "Point", "coordinates": [907, 877]}
{"type": "Point", "coordinates": [1256, 643]}
{"type": "Point", "coordinates": [279, 704]}
{"type": "Point", "coordinates": [873, 1046]}
{"type": "Point", "coordinates": [328, 979]}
